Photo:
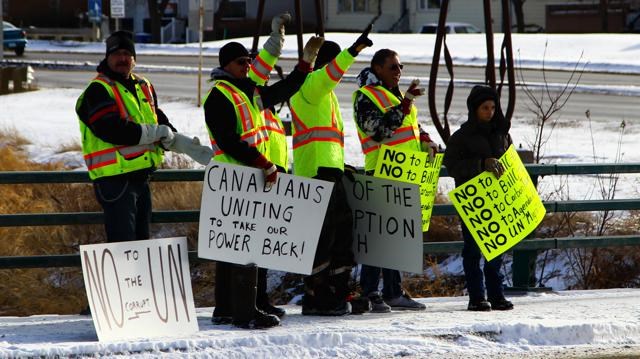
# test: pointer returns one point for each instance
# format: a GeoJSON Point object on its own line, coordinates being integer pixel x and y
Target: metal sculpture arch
{"type": "Point", "coordinates": [506, 66]}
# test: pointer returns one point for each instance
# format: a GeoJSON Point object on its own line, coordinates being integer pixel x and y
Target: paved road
{"type": "Point", "coordinates": [469, 73]}
{"type": "Point", "coordinates": [609, 108]}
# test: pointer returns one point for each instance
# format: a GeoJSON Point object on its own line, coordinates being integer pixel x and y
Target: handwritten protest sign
{"type": "Point", "coordinates": [386, 223]}
{"type": "Point", "coordinates": [242, 222]}
{"type": "Point", "coordinates": [139, 288]}
{"type": "Point", "coordinates": [414, 167]}
{"type": "Point", "coordinates": [499, 213]}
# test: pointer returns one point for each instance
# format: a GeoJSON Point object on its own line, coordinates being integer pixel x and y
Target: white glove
{"type": "Point", "coordinates": [155, 133]}
{"type": "Point", "coordinates": [192, 148]}
{"type": "Point", "coordinates": [311, 49]}
{"type": "Point", "coordinates": [414, 91]}
{"type": "Point", "coordinates": [276, 40]}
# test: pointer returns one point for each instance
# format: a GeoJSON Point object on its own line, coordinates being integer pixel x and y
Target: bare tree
{"type": "Point", "coordinates": [548, 102]}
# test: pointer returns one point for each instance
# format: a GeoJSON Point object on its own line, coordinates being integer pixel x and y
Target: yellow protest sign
{"type": "Point", "coordinates": [413, 167]}
{"type": "Point", "coordinates": [499, 213]}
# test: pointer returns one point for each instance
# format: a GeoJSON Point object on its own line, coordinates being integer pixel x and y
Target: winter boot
{"type": "Point", "coordinates": [243, 299]}
{"type": "Point", "coordinates": [321, 299]}
{"type": "Point", "coordinates": [479, 305]}
{"type": "Point", "coordinates": [500, 303]}
{"type": "Point", "coordinates": [262, 298]}
{"type": "Point", "coordinates": [359, 304]}
{"type": "Point", "coordinates": [222, 312]}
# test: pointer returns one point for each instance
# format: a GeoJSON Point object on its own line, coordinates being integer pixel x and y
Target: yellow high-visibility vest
{"type": "Point", "coordinates": [406, 136]}
{"type": "Point", "coordinates": [249, 121]}
{"type": "Point", "coordinates": [278, 152]}
{"type": "Point", "coordinates": [106, 159]}
{"type": "Point", "coordinates": [318, 137]}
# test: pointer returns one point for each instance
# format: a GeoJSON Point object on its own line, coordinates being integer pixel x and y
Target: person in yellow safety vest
{"type": "Point", "coordinates": [124, 135]}
{"type": "Point", "coordinates": [318, 152]}
{"type": "Point", "coordinates": [384, 115]}
{"type": "Point", "coordinates": [277, 152]}
{"type": "Point", "coordinates": [259, 72]}
{"type": "Point", "coordinates": [233, 114]}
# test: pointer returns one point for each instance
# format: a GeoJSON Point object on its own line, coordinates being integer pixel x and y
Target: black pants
{"type": "Point", "coordinates": [335, 246]}
{"type": "Point", "coordinates": [126, 203]}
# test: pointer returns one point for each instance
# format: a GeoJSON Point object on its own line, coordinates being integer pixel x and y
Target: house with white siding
{"type": "Point", "coordinates": [410, 15]}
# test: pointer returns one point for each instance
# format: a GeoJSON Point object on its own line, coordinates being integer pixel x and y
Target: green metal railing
{"type": "Point", "coordinates": [520, 270]}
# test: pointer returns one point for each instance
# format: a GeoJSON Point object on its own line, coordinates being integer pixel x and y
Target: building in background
{"type": "Point", "coordinates": [179, 19]}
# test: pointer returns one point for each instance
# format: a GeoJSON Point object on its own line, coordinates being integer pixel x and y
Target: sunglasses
{"type": "Point", "coordinates": [396, 67]}
{"type": "Point", "coordinates": [243, 61]}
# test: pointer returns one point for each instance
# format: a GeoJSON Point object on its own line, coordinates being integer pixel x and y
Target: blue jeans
{"type": "Point", "coordinates": [391, 279]}
{"type": "Point", "coordinates": [126, 204]}
{"type": "Point", "coordinates": [474, 277]}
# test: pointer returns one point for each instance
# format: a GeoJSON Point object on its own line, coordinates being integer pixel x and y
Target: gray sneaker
{"type": "Point", "coordinates": [404, 302]}
{"type": "Point", "coordinates": [377, 304]}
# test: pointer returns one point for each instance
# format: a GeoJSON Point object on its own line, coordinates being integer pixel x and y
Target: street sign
{"type": "Point", "coordinates": [95, 10]}
{"type": "Point", "coordinates": [117, 9]}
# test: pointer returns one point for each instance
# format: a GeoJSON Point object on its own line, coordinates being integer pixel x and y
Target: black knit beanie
{"type": "Point", "coordinates": [480, 94]}
{"type": "Point", "coordinates": [231, 51]}
{"type": "Point", "coordinates": [120, 40]}
{"type": "Point", "coordinates": [328, 51]}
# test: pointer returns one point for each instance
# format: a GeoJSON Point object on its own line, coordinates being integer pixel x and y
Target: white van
{"type": "Point", "coordinates": [450, 28]}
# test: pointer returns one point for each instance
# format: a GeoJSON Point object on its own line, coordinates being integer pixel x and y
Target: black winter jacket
{"type": "Point", "coordinates": [474, 142]}
{"type": "Point", "coordinates": [220, 115]}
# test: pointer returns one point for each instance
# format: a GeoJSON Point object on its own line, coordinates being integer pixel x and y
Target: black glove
{"type": "Point", "coordinates": [349, 172]}
{"type": "Point", "coordinates": [361, 42]}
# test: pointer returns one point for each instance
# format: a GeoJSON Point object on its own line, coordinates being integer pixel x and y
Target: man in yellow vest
{"type": "Point", "coordinates": [234, 117]}
{"type": "Point", "coordinates": [318, 152]}
{"type": "Point", "coordinates": [384, 115]}
{"type": "Point", "coordinates": [278, 152]}
{"type": "Point", "coordinates": [123, 133]}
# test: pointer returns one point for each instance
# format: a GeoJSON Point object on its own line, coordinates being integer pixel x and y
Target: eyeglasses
{"type": "Point", "coordinates": [243, 61]}
{"type": "Point", "coordinates": [396, 67]}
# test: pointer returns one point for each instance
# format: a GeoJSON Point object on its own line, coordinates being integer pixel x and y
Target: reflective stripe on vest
{"type": "Point", "coordinates": [400, 135]}
{"type": "Point", "coordinates": [271, 123]}
{"type": "Point", "coordinates": [261, 68]}
{"type": "Point", "coordinates": [108, 156]}
{"type": "Point", "coordinates": [304, 135]}
{"type": "Point", "coordinates": [252, 136]}
{"type": "Point", "coordinates": [106, 159]}
{"type": "Point", "coordinates": [334, 71]}
{"type": "Point", "coordinates": [382, 97]}
{"type": "Point", "coordinates": [405, 136]}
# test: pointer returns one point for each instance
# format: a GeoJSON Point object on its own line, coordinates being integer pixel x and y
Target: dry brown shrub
{"type": "Point", "coordinates": [61, 290]}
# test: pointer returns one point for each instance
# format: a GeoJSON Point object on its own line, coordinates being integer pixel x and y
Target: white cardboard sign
{"type": "Point", "coordinates": [242, 222]}
{"type": "Point", "coordinates": [387, 223]}
{"type": "Point", "coordinates": [139, 288]}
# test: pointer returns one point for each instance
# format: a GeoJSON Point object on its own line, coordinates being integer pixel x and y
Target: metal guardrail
{"type": "Point", "coordinates": [183, 216]}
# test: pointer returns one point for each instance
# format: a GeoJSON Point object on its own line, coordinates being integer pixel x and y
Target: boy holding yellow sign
{"type": "Point", "coordinates": [472, 149]}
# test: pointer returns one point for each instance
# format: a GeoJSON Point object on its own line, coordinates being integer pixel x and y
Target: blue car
{"type": "Point", "coordinates": [14, 38]}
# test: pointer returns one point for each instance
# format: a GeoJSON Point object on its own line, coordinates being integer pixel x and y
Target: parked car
{"type": "Point", "coordinates": [450, 28]}
{"type": "Point", "coordinates": [14, 38]}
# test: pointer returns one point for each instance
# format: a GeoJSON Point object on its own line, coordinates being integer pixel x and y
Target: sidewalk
{"type": "Point", "coordinates": [600, 323]}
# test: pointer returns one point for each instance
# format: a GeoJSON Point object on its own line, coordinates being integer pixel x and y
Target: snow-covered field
{"type": "Point", "coordinates": [554, 325]}
{"type": "Point", "coordinates": [549, 325]}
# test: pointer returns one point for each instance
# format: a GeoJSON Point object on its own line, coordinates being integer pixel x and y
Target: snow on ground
{"type": "Point", "coordinates": [603, 52]}
{"type": "Point", "coordinates": [550, 325]}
